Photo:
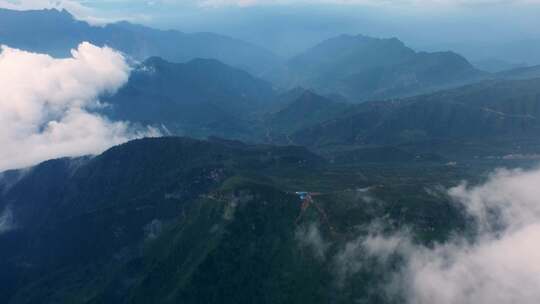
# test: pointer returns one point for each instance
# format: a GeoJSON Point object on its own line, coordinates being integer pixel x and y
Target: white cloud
{"type": "Point", "coordinates": [500, 266]}
{"type": "Point", "coordinates": [503, 264]}
{"type": "Point", "coordinates": [46, 104]}
{"type": "Point", "coordinates": [100, 12]}
{"type": "Point", "coordinates": [83, 8]}
{"type": "Point", "coordinates": [498, 270]}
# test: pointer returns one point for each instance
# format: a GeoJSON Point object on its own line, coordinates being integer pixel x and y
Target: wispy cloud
{"type": "Point", "coordinates": [500, 265]}
{"type": "Point", "coordinates": [311, 237]}
{"type": "Point", "coordinates": [6, 221]}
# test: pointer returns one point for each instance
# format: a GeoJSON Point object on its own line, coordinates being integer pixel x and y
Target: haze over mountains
{"type": "Point", "coordinates": [499, 114]}
{"type": "Point", "coordinates": [363, 68]}
{"type": "Point", "coordinates": [156, 166]}
{"type": "Point", "coordinates": [57, 32]}
{"type": "Point", "coordinates": [506, 53]}
{"type": "Point", "coordinates": [357, 67]}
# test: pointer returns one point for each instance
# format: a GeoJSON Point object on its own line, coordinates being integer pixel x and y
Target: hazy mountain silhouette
{"type": "Point", "coordinates": [57, 32]}
{"type": "Point", "coordinates": [363, 68]}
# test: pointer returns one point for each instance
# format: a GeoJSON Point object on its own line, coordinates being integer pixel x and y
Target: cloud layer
{"type": "Point", "coordinates": [500, 266]}
{"type": "Point", "coordinates": [402, 3]}
{"type": "Point", "coordinates": [47, 105]}
{"type": "Point", "coordinates": [503, 264]}
{"type": "Point", "coordinates": [84, 7]}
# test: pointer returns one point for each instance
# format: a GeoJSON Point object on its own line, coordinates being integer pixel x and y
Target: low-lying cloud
{"type": "Point", "coordinates": [498, 262]}
{"type": "Point", "coordinates": [48, 105]}
{"type": "Point", "coordinates": [501, 265]}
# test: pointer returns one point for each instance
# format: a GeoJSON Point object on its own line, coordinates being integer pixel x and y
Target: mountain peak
{"type": "Point", "coordinates": [360, 67]}
{"type": "Point", "coordinates": [361, 38]}
{"type": "Point", "coordinates": [310, 95]}
{"type": "Point", "coordinates": [37, 13]}
{"type": "Point", "coordinates": [56, 32]}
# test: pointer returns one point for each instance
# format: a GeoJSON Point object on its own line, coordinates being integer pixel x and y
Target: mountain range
{"type": "Point", "coordinates": [359, 68]}
{"type": "Point", "coordinates": [365, 68]}
{"type": "Point", "coordinates": [57, 32]}
{"type": "Point", "coordinates": [501, 116]}
{"type": "Point", "coordinates": [204, 98]}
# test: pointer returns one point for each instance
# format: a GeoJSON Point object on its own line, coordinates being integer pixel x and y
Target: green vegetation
{"type": "Point", "coordinates": [179, 220]}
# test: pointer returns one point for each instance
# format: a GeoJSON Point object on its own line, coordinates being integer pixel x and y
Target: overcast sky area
{"type": "Point", "coordinates": [287, 27]}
